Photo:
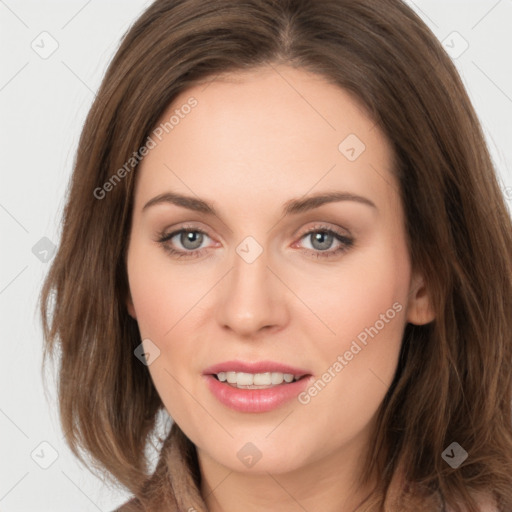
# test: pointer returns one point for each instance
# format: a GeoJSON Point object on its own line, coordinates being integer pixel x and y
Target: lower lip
{"type": "Point", "coordinates": [255, 400]}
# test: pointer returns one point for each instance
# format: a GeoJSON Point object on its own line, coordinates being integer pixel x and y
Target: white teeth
{"type": "Point", "coordinates": [277, 378]}
{"type": "Point", "coordinates": [266, 379]}
{"type": "Point", "coordinates": [244, 379]}
{"type": "Point", "coordinates": [262, 379]}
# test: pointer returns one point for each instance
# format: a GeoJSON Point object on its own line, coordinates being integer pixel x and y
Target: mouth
{"type": "Point", "coordinates": [255, 373]}
{"type": "Point", "coordinates": [264, 380]}
{"type": "Point", "coordinates": [255, 387]}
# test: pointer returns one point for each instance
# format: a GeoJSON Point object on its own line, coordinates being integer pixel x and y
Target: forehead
{"type": "Point", "coordinates": [275, 130]}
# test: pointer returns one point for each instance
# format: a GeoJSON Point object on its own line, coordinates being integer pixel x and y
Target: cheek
{"type": "Point", "coordinates": [162, 292]}
{"type": "Point", "coordinates": [364, 303]}
{"type": "Point", "coordinates": [366, 291]}
{"type": "Point", "coordinates": [153, 295]}
{"type": "Point", "coordinates": [161, 301]}
{"type": "Point", "coordinates": [358, 363]}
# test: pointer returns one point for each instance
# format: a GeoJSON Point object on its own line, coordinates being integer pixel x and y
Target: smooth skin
{"type": "Point", "coordinates": [255, 141]}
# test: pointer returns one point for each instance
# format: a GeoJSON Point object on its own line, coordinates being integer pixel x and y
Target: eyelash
{"type": "Point", "coordinates": [346, 242]}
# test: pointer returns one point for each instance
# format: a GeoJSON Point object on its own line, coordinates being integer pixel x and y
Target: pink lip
{"type": "Point", "coordinates": [255, 400]}
{"type": "Point", "coordinates": [254, 367]}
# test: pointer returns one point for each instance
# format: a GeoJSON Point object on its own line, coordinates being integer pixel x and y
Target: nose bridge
{"type": "Point", "coordinates": [250, 297]}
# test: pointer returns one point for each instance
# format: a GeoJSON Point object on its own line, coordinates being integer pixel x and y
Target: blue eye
{"type": "Point", "coordinates": [191, 241]}
{"type": "Point", "coordinates": [322, 239]}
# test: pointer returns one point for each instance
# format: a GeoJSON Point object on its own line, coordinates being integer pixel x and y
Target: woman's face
{"type": "Point", "coordinates": [294, 262]}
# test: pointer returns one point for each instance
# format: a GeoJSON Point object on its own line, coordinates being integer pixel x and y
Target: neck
{"type": "Point", "coordinates": [330, 484]}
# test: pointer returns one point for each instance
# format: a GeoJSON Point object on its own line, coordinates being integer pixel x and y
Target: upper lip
{"type": "Point", "coordinates": [254, 367]}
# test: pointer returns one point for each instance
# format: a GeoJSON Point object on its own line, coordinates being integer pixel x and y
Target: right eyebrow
{"type": "Point", "coordinates": [191, 203]}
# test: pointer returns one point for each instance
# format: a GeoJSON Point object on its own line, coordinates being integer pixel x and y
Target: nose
{"type": "Point", "coordinates": [252, 299]}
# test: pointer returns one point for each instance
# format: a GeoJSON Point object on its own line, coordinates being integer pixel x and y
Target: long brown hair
{"type": "Point", "coordinates": [453, 382]}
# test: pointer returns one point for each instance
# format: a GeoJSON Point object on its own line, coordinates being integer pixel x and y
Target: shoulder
{"type": "Point", "coordinates": [133, 505]}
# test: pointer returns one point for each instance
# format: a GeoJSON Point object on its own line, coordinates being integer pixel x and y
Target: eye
{"type": "Point", "coordinates": [190, 240]}
{"type": "Point", "coordinates": [322, 239]}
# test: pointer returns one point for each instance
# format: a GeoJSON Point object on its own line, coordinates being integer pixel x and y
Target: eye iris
{"type": "Point", "coordinates": [191, 237]}
{"type": "Point", "coordinates": [321, 240]}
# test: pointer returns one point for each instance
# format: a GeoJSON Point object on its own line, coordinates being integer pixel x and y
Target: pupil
{"type": "Point", "coordinates": [191, 240]}
{"type": "Point", "coordinates": [322, 241]}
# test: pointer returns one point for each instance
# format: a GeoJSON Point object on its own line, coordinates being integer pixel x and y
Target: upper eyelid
{"type": "Point", "coordinates": [317, 227]}
{"type": "Point", "coordinates": [172, 233]}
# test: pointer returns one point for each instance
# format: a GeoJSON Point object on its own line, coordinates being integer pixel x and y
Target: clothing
{"type": "Point", "coordinates": [175, 483]}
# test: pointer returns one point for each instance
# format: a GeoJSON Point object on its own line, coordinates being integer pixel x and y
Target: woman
{"type": "Point", "coordinates": [284, 228]}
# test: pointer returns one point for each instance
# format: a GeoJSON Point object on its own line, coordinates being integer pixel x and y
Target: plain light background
{"type": "Point", "coordinates": [44, 100]}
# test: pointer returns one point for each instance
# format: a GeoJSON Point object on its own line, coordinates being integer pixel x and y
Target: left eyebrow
{"type": "Point", "coordinates": [295, 206]}
{"type": "Point", "coordinates": [291, 207]}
